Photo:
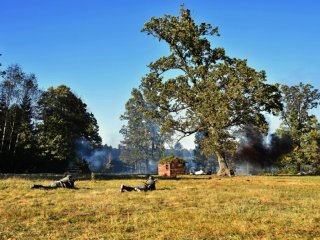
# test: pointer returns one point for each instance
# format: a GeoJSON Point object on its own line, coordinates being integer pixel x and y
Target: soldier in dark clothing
{"type": "Point", "coordinates": [149, 185]}
{"type": "Point", "coordinates": [66, 182]}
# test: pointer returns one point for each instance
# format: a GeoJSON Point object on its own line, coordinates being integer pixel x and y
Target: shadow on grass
{"type": "Point", "coordinates": [165, 189]}
{"type": "Point", "coordinates": [51, 189]}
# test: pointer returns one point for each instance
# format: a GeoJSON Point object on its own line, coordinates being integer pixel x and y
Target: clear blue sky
{"type": "Point", "coordinates": [96, 48]}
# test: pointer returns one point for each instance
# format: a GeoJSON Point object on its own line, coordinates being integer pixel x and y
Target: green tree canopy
{"type": "Point", "coordinates": [63, 119]}
{"type": "Point", "coordinates": [142, 138]}
{"type": "Point", "coordinates": [300, 124]}
{"type": "Point", "coordinates": [18, 95]}
{"type": "Point", "coordinates": [1, 72]}
{"type": "Point", "coordinates": [198, 88]}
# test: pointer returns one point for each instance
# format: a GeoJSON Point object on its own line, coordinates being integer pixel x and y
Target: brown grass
{"type": "Point", "coordinates": [183, 208]}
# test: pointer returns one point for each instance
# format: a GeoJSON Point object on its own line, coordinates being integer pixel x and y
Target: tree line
{"type": "Point", "coordinates": [39, 129]}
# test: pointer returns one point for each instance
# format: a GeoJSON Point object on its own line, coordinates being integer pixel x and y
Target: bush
{"type": "Point", "coordinates": [171, 159]}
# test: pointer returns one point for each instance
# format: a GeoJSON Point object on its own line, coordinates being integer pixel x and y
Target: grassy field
{"type": "Point", "coordinates": [188, 207]}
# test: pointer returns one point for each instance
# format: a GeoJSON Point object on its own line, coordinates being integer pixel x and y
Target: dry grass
{"type": "Point", "coordinates": [185, 208]}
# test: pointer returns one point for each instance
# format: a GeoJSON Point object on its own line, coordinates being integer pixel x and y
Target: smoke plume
{"type": "Point", "coordinates": [96, 158]}
{"type": "Point", "coordinates": [259, 152]}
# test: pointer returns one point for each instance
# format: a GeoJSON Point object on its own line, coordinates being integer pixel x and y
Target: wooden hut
{"type": "Point", "coordinates": [171, 166]}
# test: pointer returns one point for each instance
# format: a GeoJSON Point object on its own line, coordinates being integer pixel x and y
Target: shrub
{"type": "Point", "coordinates": [171, 159]}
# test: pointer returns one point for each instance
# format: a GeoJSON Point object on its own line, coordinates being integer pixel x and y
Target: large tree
{"type": "Point", "coordinates": [198, 88]}
{"type": "Point", "coordinates": [300, 124]}
{"type": "Point", "coordinates": [63, 120]}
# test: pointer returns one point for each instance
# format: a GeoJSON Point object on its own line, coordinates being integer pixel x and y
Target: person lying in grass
{"type": "Point", "coordinates": [149, 185]}
{"type": "Point", "coordinates": [66, 182]}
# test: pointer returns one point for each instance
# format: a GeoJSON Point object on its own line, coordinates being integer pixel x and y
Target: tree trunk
{"type": "Point", "coordinates": [11, 133]}
{"type": "Point", "coordinates": [4, 131]}
{"type": "Point", "coordinates": [298, 167]}
{"type": "Point", "coordinates": [224, 170]}
{"type": "Point", "coordinates": [15, 145]}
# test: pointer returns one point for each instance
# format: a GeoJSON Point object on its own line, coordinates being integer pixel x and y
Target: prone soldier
{"type": "Point", "coordinates": [149, 185]}
{"type": "Point", "coordinates": [66, 182]}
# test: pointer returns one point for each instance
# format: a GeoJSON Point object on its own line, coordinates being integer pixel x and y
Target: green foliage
{"type": "Point", "coordinates": [34, 133]}
{"type": "Point", "coordinates": [143, 140]}
{"type": "Point", "coordinates": [63, 120]}
{"type": "Point", "coordinates": [171, 159]}
{"type": "Point", "coordinates": [301, 126]}
{"type": "Point", "coordinates": [18, 95]}
{"type": "Point", "coordinates": [210, 91]}
{"type": "Point", "coordinates": [1, 72]}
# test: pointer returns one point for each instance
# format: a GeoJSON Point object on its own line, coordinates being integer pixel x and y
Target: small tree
{"type": "Point", "coordinates": [299, 124]}
{"type": "Point", "coordinates": [142, 138]}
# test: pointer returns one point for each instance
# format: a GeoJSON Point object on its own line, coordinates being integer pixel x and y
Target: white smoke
{"type": "Point", "coordinates": [96, 158]}
{"type": "Point", "coordinates": [152, 167]}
